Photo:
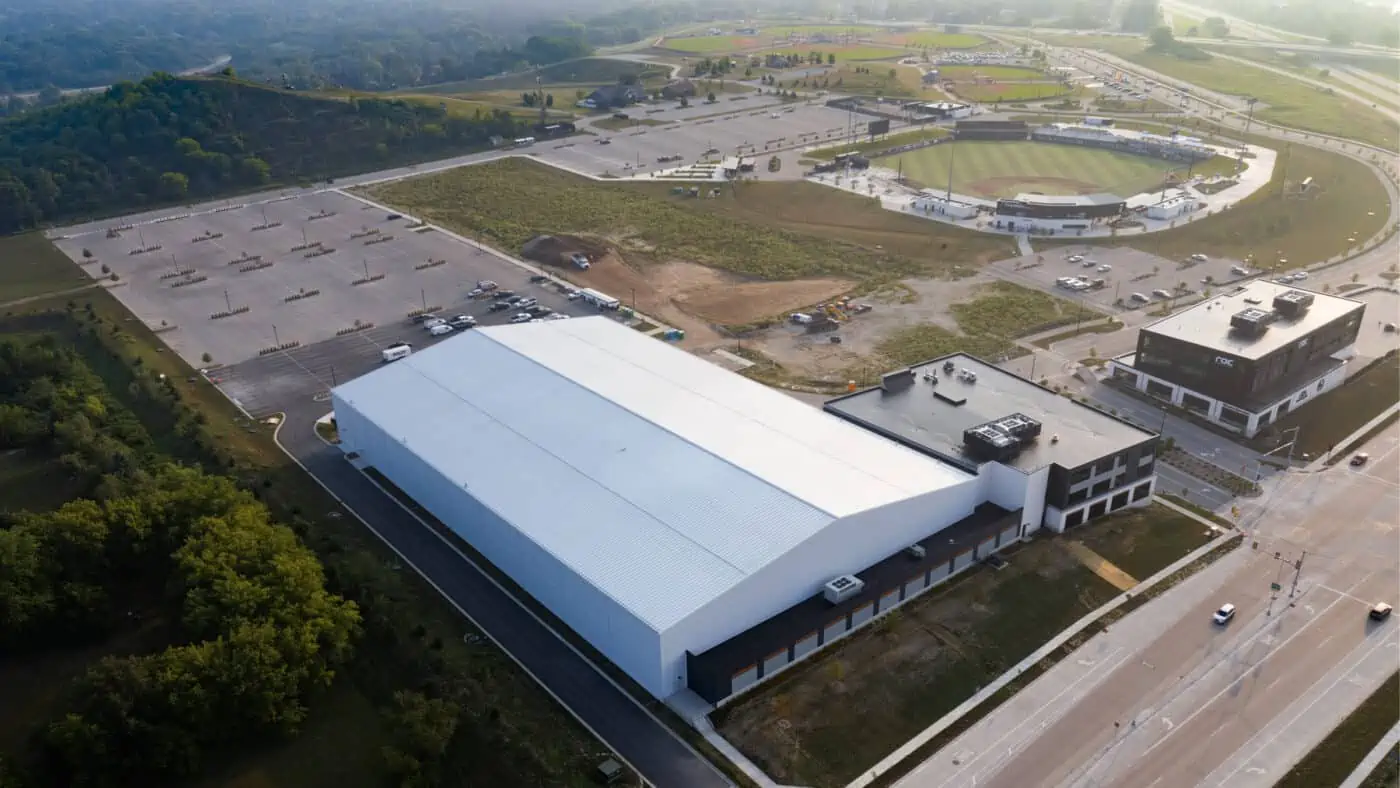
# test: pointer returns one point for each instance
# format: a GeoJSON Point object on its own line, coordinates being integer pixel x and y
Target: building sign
{"type": "Point", "coordinates": [1224, 361]}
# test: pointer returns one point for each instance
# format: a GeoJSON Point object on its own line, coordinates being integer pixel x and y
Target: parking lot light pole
{"type": "Point", "coordinates": [276, 341]}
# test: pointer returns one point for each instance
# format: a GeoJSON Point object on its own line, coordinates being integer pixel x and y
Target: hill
{"type": "Point", "coordinates": [172, 139]}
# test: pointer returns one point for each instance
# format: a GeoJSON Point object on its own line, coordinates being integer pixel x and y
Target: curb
{"type": "Point", "coordinates": [928, 734]}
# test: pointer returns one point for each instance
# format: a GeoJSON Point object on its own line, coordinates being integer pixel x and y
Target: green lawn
{"type": "Point", "coordinates": [1143, 542]}
{"type": "Point", "coordinates": [773, 231]}
{"type": "Point", "coordinates": [999, 73]}
{"type": "Point", "coordinates": [859, 52]}
{"type": "Point", "coordinates": [877, 81]}
{"type": "Point", "coordinates": [1351, 204]}
{"type": "Point", "coordinates": [991, 92]}
{"type": "Point", "coordinates": [588, 71]}
{"type": "Point", "coordinates": [713, 45]}
{"type": "Point", "coordinates": [1182, 24]}
{"type": "Point", "coordinates": [851, 705]}
{"type": "Point", "coordinates": [31, 266]}
{"type": "Point", "coordinates": [1004, 169]}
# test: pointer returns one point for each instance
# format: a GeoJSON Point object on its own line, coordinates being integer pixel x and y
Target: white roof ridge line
{"type": "Point", "coordinates": [900, 488]}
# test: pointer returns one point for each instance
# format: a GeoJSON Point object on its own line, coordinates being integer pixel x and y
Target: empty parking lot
{"type": "Point", "coordinates": [1130, 271]}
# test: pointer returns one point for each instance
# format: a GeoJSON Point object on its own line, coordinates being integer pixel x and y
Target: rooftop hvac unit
{"type": "Point", "coordinates": [1251, 322]}
{"type": "Point", "coordinates": [1293, 304]}
{"type": "Point", "coordinates": [953, 400]}
{"type": "Point", "coordinates": [840, 589]}
{"type": "Point", "coordinates": [916, 552]}
{"type": "Point", "coordinates": [898, 380]}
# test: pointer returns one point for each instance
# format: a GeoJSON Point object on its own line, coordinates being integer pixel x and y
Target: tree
{"type": "Point", "coordinates": [422, 728]}
{"type": "Point", "coordinates": [831, 59]}
{"type": "Point", "coordinates": [1216, 27]}
{"type": "Point", "coordinates": [254, 170]}
{"type": "Point", "coordinates": [549, 100]}
{"type": "Point", "coordinates": [174, 185]}
{"type": "Point", "coordinates": [1339, 38]}
{"type": "Point", "coordinates": [1140, 16]}
{"type": "Point", "coordinates": [1162, 38]}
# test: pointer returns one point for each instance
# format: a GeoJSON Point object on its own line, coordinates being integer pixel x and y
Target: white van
{"type": "Point", "coordinates": [396, 351]}
{"type": "Point", "coordinates": [440, 329]}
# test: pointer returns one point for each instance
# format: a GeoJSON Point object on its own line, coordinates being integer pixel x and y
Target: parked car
{"type": "Point", "coordinates": [1160, 293]}
{"type": "Point", "coordinates": [1103, 269]}
{"type": "Point", "coordinates": [539, 311]}
{"type": "Point", "coordinates": [440, 329]}
{"type": "Point", "coordinates": [1358, 460]}
{"type": "Point", "coordinates": [580, 261]}
{"type": "Point", "coordinates": [1141, 297]}
{"type": "Point", "coordinates": [475, 292]}
{"type": "Point", "coordinates": [503, 294]}
{"type": "Point", "coordinates": [557, 316]}
{"type": "Point", "coordinates": [537, 278]}
{"type": "Point", "coordinates": [573, 295]}
{"type": "Point", "coordinates": [604, 141]}
{"type": "Point", "coordinates": [521, 317]}
{"type": "Point", "coordinates": [526, 303]}
{"type": "Point", "coordinates": [487, 284]}
{"type": "Point", "coordinates": [391, 217]}
{"type": "Point", "coordinates": [462, 321]}
{"type": "Point", "coordinates": [424, 317]}
{"type": "Point", "coordinates": [499, 306]}
{"type": "Point", "coordinates": [1224, 614]}
{"type": "Point", "coordinates": [1380, 612]}
{"type": "Point", "coordinates": [1199, 258]}
{"type": "Point", "coordinates": [1300, 276]}
{"type": "Point", "coordinates": [429, 325]}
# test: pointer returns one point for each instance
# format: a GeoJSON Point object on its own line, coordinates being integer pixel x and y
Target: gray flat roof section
{"type": "Point", "coordinates": [1208, 323]}
{"type": "Point", "coordinates": [921, 421]}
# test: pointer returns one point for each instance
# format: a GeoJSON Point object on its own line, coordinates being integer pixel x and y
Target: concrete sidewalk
{"type": "Point", "coordinates": [1364, 769]}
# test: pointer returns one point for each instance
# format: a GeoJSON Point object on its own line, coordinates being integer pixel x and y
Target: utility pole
{"type": "Point", "coordinates": [1249, 119]}
{"type": "Point", "coordinates": [1297, 572]}
{"type": "Point", "coordinates": [952, 159]}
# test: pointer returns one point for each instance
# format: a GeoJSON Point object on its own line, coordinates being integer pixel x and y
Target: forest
{"type": "Point", "coordinates": [251, 633]}
{"type": "Point", "coordinates": [230, 609]}
{"type": "Point", "coordinates": [306, 44]}
{"type": "Point", "coordinates": [170, 139]}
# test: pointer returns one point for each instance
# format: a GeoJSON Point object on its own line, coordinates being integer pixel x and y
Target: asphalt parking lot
{"type": "Point", "coordinates": [1131, 271]}
{"type": "Point", "coordinates": [276, 381]}
{"type": "Point", "coordinates": [185, 282]}
{"type": "Point", "coordinates": [752, 129]}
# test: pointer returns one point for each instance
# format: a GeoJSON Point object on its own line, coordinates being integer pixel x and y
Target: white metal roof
{"type": "Point", "coordinates": [668, 479]}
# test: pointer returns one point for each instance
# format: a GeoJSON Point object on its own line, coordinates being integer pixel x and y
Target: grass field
{"type": "Point", "coordinates": [588, 71]}
{"type": "Point", "coordinates": [31, 266]}
{"type": "Point", "coordinates": [1183, 24]}
{"type": "Point", "coordinates": [878, 82]}
{"type": "Point", "coordinates": [1351, 204]}
{"type": "Point", "coordinates": [773, 231]}
{"type": "Point", "coordinates": [1004, 169]}
{"type": "Point", "coordinates": [1285, 101]}
{"type": "Point", "coordinates": [990, 92]}
{"type": "Point", "coordinates": [968, 73]}
{"type": "Point", "coordinates": [1330, 418]}
{"type": "Point", "coordinates": [1332, 760]}
{"type": "Point", "coordinates": [859, 52]}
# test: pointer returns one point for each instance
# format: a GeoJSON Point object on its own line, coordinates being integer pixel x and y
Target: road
{"type": "Point", "coordinates": [642, 740]}
{"type": "Point", "coordinates": [1166, 698]}
{"type": "Point", "coordinates": [208, 68]}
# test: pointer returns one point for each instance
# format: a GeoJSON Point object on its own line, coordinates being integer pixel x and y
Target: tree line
{"type": "Point", "coordinates": [252, 632]}
{"type": "Point", "coordinates": [168, 139]}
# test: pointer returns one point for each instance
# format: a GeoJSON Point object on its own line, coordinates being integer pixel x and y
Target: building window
{"type": "Point", "coordinates": [1142, 491]}
{"type": "Point", "coordinates": [1119, 501]}
{"type": "Point", "coordinates": [1074, 518]}
{"type": "Point", "coordinates": [1081, 475]}
{"type": "Point", "coordinates": [1118, 480]}
{"type": "Point", "coordinates": [1146, 459]}
{"type": "Point", "coordinates": [1078, 496]}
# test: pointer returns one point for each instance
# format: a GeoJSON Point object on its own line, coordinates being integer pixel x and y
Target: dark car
{"type": "Point", "coordinates": [423, 317]}
{"type": "Point", "coordinates": [391, 217]}
{"type": "Point", "coordinates": [537, 278]}
{"type": "Point", "coordinates": [540, 311]}
{"type": "Point", "coordinates": [499, 294]}
{"type": "Point", "coordinates": [499, 306]}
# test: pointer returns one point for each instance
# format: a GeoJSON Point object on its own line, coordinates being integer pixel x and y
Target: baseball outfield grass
{"type": "Point", "coordinates": [1004, 169]}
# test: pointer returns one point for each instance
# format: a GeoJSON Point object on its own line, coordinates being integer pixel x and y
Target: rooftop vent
{"type": "Point", "coordinates": [953, 400]}
{"type": "Point", "coordinates": [1293, 304]}
{"type": "Point", "coordinates": [1251, 322]}
{"type": "Point", "coordinates": [1001, 439]}
{"type": "Point", "coordinates": [899, 380]}
{"type": "Point", "coordinates": [838, 590]}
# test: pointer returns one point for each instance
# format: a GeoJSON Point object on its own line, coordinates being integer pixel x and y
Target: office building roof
{"type": "Point", "coordinates": [1208, 323]}
{"type": "Point", "coordinates": [1072, 434]}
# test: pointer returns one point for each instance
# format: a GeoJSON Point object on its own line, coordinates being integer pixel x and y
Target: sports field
{"type": "Point", "coordinates": [1004, 169]}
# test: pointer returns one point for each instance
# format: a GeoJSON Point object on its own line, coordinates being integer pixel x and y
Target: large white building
{"type": "Point", "coordinates": [660, 505]}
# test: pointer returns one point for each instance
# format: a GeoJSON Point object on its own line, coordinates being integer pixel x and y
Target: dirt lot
{"type": "Point", "coordinates": [841, 712]}
{"type": "Point", "coordinates": [686, 295]}
{"type": "Point", "coordinates": [911, 301]}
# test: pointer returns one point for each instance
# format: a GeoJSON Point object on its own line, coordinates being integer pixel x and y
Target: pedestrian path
{"type": "Point", "coordinates": [1101, 566]}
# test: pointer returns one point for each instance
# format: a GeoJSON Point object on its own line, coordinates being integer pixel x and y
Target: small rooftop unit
{"type": "Point", "coordinates": [1293, 304]}
{"type": "Point", "coordinates": [839, 589]}
{"type": "Point", "coordinates": [1001, 439]}
{"type": "Point", "coordinates": [899, 380]}
{"type": "Point", "coordinates": [1251, 322]}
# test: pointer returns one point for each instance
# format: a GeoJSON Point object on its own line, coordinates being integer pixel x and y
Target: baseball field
{"type": "Point", "coordinates": [1004, 169]}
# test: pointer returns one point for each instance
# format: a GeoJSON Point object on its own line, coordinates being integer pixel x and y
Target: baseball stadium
{"type": "Point", "coordinates": [1030, 161]}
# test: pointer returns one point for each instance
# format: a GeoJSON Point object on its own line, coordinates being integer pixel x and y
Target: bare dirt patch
{"type": "Point", "coordinates": [910, 302]}
{"type": "Point", "coordinates": [1002, 186]}
{"type": "Point", "coordinates": [686, 295]}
